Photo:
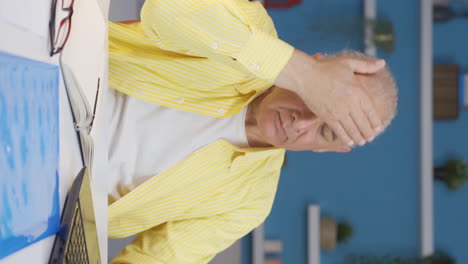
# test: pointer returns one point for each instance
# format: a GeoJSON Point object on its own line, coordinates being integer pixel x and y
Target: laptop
{"type": "Point", "coordinates": [76, 242]}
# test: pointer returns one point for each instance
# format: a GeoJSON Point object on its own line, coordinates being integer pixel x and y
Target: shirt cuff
{"type": "Point", "coordinates": [265, 56]}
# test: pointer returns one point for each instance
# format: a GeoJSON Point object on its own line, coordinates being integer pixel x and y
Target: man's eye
{"type": "Point", "coordinates": [334, 136]}
{"type": "Point", "coordinates": [322, 130]}
{"type": "Point", "coordinates": [327, 133]}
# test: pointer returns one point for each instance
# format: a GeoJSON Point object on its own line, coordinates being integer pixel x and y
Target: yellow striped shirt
{"type": "Point", "coordinates": [192, 211]}
{"type": "Point", "coordinates": [216, 55]}
{"type": "Point", "coordinates": [209, 57]}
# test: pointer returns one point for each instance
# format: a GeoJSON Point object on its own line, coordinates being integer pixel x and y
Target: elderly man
{"type": "Point", "coordinates": [200, 131]}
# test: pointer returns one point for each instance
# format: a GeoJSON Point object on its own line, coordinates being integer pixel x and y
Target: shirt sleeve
{"type": "Point", "coordinates": [187, 241]}
{"type": "Point", "coordinates": [220, 30]}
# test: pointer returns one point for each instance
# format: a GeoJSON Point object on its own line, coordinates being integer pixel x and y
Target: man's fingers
{"type": "Point", "coordinates": [373, 117]}
{"type": "Point", "coordinates": [363, 123]}
{"type": "Point", "coordinates": [365, 66]}
{"type": "Point", "coordinates": [347, 131]}
{"type": "Point", "coordinates": [365, 116]}
{"type": "Point", "coordinates": [341, 133]}
{"type": "Point", "coordinates": [352, 130]}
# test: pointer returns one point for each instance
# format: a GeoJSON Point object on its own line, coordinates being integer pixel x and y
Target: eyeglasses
{"type": "Point", "coordinates": [59, 38]}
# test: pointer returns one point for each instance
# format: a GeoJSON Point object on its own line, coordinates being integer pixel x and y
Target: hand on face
{"type": "Point", "coordinates": [332, 91]}
{"type": "Point", "coordinates": [285, 121]}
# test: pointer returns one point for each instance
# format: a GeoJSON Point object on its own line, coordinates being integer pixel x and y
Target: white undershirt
{"type": "Point", "coordinates": [146, 138]}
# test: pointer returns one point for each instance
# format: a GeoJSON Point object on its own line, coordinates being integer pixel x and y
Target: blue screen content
{"type": "Point", "coordinates": [29, 152]}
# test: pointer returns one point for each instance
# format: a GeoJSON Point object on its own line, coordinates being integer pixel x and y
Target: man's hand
{"type": "Point", "coordinates": [331, 90]}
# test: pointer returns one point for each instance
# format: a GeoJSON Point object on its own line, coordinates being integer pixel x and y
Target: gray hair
{"type": "Point", "coordinates": [386, 96]}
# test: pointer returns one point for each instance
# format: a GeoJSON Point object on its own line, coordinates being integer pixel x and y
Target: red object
{"type": "Point", "coordinates": [281, 4]}
{"type": "Point", "coordinates": [59, 39]}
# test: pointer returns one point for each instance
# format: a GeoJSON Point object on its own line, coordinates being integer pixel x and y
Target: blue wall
{"type": "Point", "coordinates": [451, 139]}
{"type": "Point", "coordinates": [376, 188]}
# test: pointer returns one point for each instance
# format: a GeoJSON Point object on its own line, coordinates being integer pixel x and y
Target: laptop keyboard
{"type": "Point", "coordinates": [76, 251]}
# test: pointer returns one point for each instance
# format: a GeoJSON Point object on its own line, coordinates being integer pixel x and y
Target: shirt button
{"type": "Point", "coordinates": [8, 149]}
{"type": "Point", "coordinates": [181, 100]}
{"type": "Point", "coordinates": [139, 92]}
{"type": "Point", "coordinates": [256, 67]}
{"type": "Point", "coordinates": [221, 111]}
{"type": "Point", "coordinates": [215, 46]}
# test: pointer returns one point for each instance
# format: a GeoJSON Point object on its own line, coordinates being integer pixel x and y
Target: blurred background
{"type": "Point", "coordinates": [371, 197]}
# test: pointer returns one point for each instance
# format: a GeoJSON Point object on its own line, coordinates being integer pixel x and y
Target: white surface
{"type": "Point", "coordinates": [99, 134]}
{"type": "Point", "coordinates": [313, 234]}
{"type": "Point", "coordinates": [427, 214]}
{"type": "Point", "coordinates": [26, 14]}
{"type": "Point", "coordinates": [86, 54]}
{"type": "Point", "coordinates": [99, 183]}
{"type": "Point", "coordinates": [25, 41]}
{"type": "Point", "coordinates": [258, 238]}
{"type": "Point", "coordinates": [370, 12]}
{"type": "Point", "coordinates": [83, 53]}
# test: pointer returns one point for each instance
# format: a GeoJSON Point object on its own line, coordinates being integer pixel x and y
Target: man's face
{"type": "Point", "coordinates": [285, 121]}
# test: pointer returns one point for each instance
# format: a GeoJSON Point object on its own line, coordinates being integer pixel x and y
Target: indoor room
{"type": "Point", "coordinates": [94, 92]}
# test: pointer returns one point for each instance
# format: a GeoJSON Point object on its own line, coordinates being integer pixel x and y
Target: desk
{"type": "Point", "coordinates": [34, 45]}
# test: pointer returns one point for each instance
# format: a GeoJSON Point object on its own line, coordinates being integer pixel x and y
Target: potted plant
{"type": "Point", "coordinates": [383, 34]}
{"type": "Point", "coordinates": [453, 174]}
{"type": "Point", "coordinates": [438, 258]}
{"type": "Point", "coordinates": [345, 232]}
{"type": "Point", "coordinates": [332, 232]}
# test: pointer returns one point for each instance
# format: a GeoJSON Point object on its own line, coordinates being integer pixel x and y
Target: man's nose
{"type": "Point", "coordinates": [303, 121]}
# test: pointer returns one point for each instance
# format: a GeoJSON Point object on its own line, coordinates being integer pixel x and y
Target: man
{"type": "Point", "coordinates": [188, 182]}
{"type": "Point", "coordinates": [191, 206]}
